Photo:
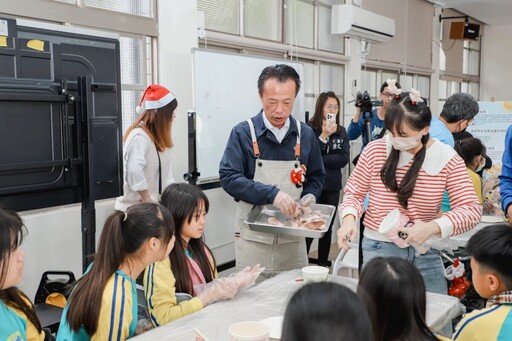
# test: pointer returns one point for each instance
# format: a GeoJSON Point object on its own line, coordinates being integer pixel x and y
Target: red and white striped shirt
{"type": "Point", "coordinates": [428, 193]}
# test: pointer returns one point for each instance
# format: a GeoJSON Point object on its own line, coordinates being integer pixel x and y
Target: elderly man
{"type": "Point", "coordinates": [256, 168]}
{"type": "Point", "coordinates": [458, 112]}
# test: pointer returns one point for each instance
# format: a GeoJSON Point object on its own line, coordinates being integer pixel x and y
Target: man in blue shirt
{"type": "Point", "coordinates": [458, 112]}
{"type": "Point", "coordinates": [272, 158]}
{"type": "Point", "coordinates": [357, 126]}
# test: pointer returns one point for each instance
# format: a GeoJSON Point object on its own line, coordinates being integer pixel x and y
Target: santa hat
{"type": "Point", "coordinates": [155, 96]}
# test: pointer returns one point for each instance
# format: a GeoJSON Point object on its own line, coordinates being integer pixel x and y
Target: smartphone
{"type": "Point", "coordinates": [331, 118]}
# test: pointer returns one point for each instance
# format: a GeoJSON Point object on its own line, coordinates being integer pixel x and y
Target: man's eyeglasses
{"type": "Point", "coordinates": [332, 107]}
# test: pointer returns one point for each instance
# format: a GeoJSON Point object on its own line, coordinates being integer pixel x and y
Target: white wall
{"type": "Point", "coordinates": [54, 241]}
{"type": "Point", "coordinates": [177, 37]}
{"type": "Point", "coordinates": [496, 71]}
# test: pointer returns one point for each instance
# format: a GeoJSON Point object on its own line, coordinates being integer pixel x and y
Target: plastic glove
{"type": "Point", "coordinates": [217, 290]}
{"type": "Point", "coordinates": [307, 200]}
{"type": "Point", "coordinates": [247, 276]}
{"type": "Point", "coordinates": [285, 203]}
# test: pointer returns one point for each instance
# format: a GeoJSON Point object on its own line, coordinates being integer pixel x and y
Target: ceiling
{"type": "Point", "coordinates": [490, 12]}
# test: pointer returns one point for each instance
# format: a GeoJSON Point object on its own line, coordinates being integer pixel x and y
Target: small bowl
{"type": "Point", "coordinates": [315, 273]}
{"type": "Point", "coordinates": [248, 331]}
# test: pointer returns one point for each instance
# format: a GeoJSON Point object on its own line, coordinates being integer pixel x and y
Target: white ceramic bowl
{"type": "Point", "coordinates": [315, 273]}
{"type": "Point", "coordinates": [248, 331]}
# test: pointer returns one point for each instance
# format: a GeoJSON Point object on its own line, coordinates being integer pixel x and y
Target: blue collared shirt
{"type": "Point", "coordinates": [238, 163]}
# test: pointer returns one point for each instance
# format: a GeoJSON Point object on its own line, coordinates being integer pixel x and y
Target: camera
{"type": "Point", "coordinates": [364, 102]}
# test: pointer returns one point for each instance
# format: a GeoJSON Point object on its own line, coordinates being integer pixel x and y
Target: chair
{"type": "Point", "coordinates": [348, 259]}
{"type": "Point", "coordinates": [49, 314]}
{"type": "Point", "coordinates": [59, 285]}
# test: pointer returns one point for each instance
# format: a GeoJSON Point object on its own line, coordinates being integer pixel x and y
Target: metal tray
{"type": "Point", "coordinates": [258, 221]}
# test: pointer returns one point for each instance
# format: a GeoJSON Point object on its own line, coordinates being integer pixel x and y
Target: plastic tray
{"type": "Point", "coordinates": [258, 221]}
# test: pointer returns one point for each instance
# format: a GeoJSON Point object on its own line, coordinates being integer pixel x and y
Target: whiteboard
{"type": "Point", "coordinates": [225, 94]}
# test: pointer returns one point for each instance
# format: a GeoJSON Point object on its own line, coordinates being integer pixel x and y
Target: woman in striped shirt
{"type": "Point", "coordinates": [409, 171]}
{"type": "Point", "coordinates": [103, 304]}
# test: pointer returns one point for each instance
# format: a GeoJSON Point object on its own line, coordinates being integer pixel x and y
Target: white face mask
{"type": "Point", "coordinates": [480, 166]}
{"type": "Point", "coordinates": [405, 143]}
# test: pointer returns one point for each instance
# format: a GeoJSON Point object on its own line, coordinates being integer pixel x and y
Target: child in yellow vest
{"type": "Point", "coordinates": [18, 319]}
{"type": "Point", "coordinates": [491, 264]}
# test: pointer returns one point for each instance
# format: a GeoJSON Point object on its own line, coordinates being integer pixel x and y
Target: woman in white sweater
{"type": "Point", "coordinates": [144, 142]}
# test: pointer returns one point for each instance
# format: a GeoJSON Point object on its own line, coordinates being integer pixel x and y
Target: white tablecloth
{"type": "Point", "coordinates": [267, 299]}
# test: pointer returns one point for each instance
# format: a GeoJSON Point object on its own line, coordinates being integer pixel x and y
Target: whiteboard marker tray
{"type": "Point", "coordinates": [258, 221]}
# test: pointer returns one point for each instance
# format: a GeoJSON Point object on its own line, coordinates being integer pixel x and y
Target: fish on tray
{"type": "Point", "coordinates": [304, 218]}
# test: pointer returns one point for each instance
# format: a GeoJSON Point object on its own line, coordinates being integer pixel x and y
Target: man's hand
{"type": "Point", "coordinates": [509, 213]}
{"type": "Point", "coordinates": [285, 203]}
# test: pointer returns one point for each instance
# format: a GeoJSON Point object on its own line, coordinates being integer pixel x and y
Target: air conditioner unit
{"type": "Point", "coordinates": [360, 23]}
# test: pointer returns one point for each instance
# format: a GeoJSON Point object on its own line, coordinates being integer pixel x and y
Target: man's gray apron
{"type": "Point", "coordinates": [275, 252]}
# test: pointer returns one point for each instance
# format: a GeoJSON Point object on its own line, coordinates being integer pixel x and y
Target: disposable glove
{"type": "Point", "coordinates": [217, 290]}
{"type": "Point", "coordinates": [285, 203]}
{"type": "Point", "coordinates": [307, 200]}
{"type": "Point", "coordinates": [247, 276]}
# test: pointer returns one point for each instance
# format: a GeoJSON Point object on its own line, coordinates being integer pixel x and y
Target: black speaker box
{"type": "Point", "coordinates": [464, 30]}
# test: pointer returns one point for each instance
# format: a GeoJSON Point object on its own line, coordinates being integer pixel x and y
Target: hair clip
{"type": "Point", "coordinates": [415, 97]}
{"type": "Point", "coordinates": [125, 216]}
{"type": "Point", "coordinates": [392, 88]}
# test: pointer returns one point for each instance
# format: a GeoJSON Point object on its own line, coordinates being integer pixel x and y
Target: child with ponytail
{"type": "Point", "coordinates": [409, 171]}
{"type": "Point", "coordinates": [190, 267]}
{"type": "Point", "coordinates": [103, 304]}
{"type": "Point", "coordinates": [18, 319]}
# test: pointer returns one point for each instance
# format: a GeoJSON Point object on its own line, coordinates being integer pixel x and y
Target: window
{"type": "Point", "coordinates": [223, 16]}
{"type": "Point", "coordinates": [135, 55]}
{"type": "Point", "coordinates": [301, 20]}
{"type": "Point", "coordinates": [142, 8]}
{"type": "Point", "coordinates": [471, 58]}
{"type": "Point", "coordinates": [262, 19]}
{"type": "Point", "coordinates": [326, 40]}
{"type": "Point", "coordinates": [369, 83]}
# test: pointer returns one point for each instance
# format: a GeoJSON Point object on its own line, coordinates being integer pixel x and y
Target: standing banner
{"type": "Point", "coordinates": [490, 126]}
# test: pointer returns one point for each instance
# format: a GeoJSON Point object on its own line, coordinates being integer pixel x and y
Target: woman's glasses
{"type": "Point", "coordinates": [332, 107]}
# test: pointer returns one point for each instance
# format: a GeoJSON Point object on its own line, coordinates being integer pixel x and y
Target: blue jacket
{"type": "Point", "coordinates": [357, 129]}
{"type": "Point", "coordinates": [506, 172]}
{"type": "Point", "coordinates": [238, 163]}
{"type": "Point", "coordinates": [335, 154]}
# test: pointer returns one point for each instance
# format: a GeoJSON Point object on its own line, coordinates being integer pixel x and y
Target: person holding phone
{"type": "Point", "coordinates": [334, 144]}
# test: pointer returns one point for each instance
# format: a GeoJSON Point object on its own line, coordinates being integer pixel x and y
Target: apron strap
{"type": "Point", "coordinates": [297, 145]}
{"type": "Point", "coordinates": [255, 147]}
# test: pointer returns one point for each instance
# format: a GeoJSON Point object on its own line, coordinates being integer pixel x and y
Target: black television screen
{"type": "Point", "coordinates": [50, 126]}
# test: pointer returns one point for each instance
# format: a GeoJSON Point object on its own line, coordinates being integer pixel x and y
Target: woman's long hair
{"type": "Point", "coordinates": [157, 124]}
{"type": "Point", "coordinates": [317, 120]}
{"type": "Point", "coordinates": [415, 115]}
{"type": "Point", "coordinates": [12, 231]}
{"type": "Point", "coordinates": [122, 236]}
{"type": "Point", "coordinates": [183, 200]}
{"type": "Point", "coordinates": [394, 293]}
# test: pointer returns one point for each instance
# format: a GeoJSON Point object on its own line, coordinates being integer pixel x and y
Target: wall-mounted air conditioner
{"type": "Point", "coordinates": [359, 23]}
